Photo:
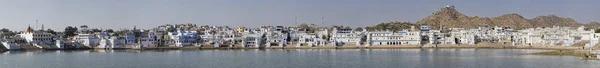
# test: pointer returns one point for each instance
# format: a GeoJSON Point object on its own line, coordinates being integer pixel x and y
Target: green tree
{"type": "Point", "coordinates": [324, 37]}
{"type": "Point", "coordinates": [51, 31]}
{"type": "Point", "coordinates": [542, 36]}
{"type": "Point", "coordinates": [83, 26]}
{"type": "Point", "coordinates": [70, 31]}
{"type": "Point", "coordinates": [347, 27]}
{"type": "Point", "coordinates": [96, 30]}
{"type": "Point", "coordinates": [110, 31]}
{"type": "Point", "coordinates": [337, 27]}
{"type": "Point", "coordinates": [597, 30]}
{"type": "Point", "coordinates": [114, 34]}
{"type": "Point", "coordinates": [4, 30]}
{"type": "Point", "coordinates": [171, 29]}
{"type": "Point", "coordinates": [304, 26]}
{"type": "Point", "coordinates": [358, 29]}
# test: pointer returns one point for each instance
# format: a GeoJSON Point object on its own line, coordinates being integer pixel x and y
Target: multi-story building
{"type": "Point", "coordinates": [310, 39]}
{"type": "Point", "coordinates": [594, 39]}
{"type": "Point", "coordinates": [184, 38]}
{"type": "Point", "coordinates": [404, 37]}
{"type": "Point", "coordinates": [277, 36]}
{"type": "Point", "coordinates": [149, 39]}
{"type": "Point", "coordinates": [559, 36]}
{"type": "Point", "coordinates": [112, 42]}
{"type": "Point", "coordinates": [90, 40]}
{"type": "Point", "coordinates": [276, 39]}
{"type": "Point", "coordinates": [38, 38]}
{"type": "Point", "coordinates": [430, 36]}
{"type": "Point", "coordinates": [347, 36]}
{"type": "Point", "coordinates": [252, 40]}
{"type": "Point", "coordinates": [130, 38]}
{"type": "Point", "coordinates": [220, 36]}
{"type": "Point", "coordinates": [463, 36]}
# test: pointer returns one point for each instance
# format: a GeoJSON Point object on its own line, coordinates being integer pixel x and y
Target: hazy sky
{"type": "Point", "coordinates": [115, 14]}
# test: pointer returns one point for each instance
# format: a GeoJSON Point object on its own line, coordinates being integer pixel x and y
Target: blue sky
{"type": "Point", "coordinates": [117, 14]}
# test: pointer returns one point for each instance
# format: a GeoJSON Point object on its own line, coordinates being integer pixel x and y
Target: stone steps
{"type": "Point", "coordinates": [28, 46]}
{"type": "Point", "coordinates": [596, 46]}
{"type": "Point", "coordinates": [581, 43]}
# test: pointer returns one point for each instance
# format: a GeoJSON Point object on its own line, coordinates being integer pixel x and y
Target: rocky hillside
{"type": "Point", "coordinates": [550, 20]}
{"type": "Point", "coordinates": [592, 25]}
{"type": "Point", "coordinates": [449, 17]}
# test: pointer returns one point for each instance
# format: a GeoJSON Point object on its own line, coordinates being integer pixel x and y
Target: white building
{"type": "Point", "coordinates": [404, 37]}
{"type": "Point", "coordinates": [310, 39]}
{"type": "Point", "coordinates": [12, 43]}
{"type": "Point", "coordinates": [90, 40]}
{"type": "Point", "coordinates": [276, 39]}
{"type": "Point", "coordinates": [594, 39]}
{"type": "Point", "coordinates": [463, 36]}
{"type": "Point", "coordinates": [184, 38]}
{"type": "Point", "coordinates": [38, 38]}
{"type": "Point", "coordinates": [105, 43]}
{"type": "Point", "coordinates": [430, 36]}
{"type": "Point", "coordinates": [346, 36]}
{"type": "Point", "coordinates": [112, 42]}
{"type": "Point", "coordinates": [218, 36]}
{"type": "Point", "coordinates": [252, 40]}
{"type": "Point", "coordinates": [149, 40]}
{"type": "Point", "coordinates": [555, 36]}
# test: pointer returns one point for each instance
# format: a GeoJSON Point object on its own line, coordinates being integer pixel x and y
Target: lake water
{"type": "Point", "coordinates": [295, 58]}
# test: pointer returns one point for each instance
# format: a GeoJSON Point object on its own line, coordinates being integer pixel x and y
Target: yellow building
{"type": "Point", "coordinates": [241, 29]}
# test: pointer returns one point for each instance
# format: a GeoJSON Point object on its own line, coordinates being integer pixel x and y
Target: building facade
{"type": "Point", "coordinates": [184, 38]}
{"type": "Point", "coordinates": [341, 37]}
{"type": "Point", "coordinates": [404, 37]}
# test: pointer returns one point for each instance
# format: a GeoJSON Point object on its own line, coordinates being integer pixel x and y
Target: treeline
{"type": "Point", "coordinates": [392, 26]}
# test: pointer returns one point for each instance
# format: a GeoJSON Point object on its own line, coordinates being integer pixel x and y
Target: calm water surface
{"type": "Point", "coordinates": [297, 58]}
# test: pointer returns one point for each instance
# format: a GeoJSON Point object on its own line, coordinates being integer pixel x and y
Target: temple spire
{"type": "Point", "coordinates": [29, 30]}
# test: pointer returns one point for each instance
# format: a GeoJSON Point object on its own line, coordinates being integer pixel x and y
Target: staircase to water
{"type": "Point", "coordinates": [596, 46]}
{"type": "Point", "coordinates": [581, 43]}
{"type": "Point", "coordinates": [29, 46]}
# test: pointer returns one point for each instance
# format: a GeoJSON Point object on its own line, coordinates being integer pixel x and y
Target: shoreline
{"type": "Point", "coordinates": [339, 47]}
{"type": "Point", "coordinates": [581, 52]}
{"type": "Point", "coordinates": [326, 47]}
{"type": "Point", "coordinates": [487, 45]}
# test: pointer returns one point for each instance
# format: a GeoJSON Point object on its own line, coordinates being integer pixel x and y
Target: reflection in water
{"type": "Point", "coordinates": [3, 52]}
{"type": "Point", "coordinates": [286, 58]}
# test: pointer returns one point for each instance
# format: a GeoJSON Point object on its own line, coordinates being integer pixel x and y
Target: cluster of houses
{"type": "Point", "coordinates": [185, 35]}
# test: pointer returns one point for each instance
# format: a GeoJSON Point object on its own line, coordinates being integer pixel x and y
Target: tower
{"type": "Point", "coordinates": [322, 21]}
{"type": "Point", "coordinates": [29, 30]}
{"type": "Point", "coordinates": [36, 23]}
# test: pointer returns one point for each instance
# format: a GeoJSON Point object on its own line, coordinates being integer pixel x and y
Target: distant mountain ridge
{"type": "Point", "coordinates": [449, 17]}
{"type": "Point", "coordinates": [592, 24]}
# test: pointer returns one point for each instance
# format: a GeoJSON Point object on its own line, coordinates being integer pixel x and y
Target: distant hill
{"type": "Point", "coordinates": [592, 25]}
{"type": "Point", "coordinates": [449, 17]}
